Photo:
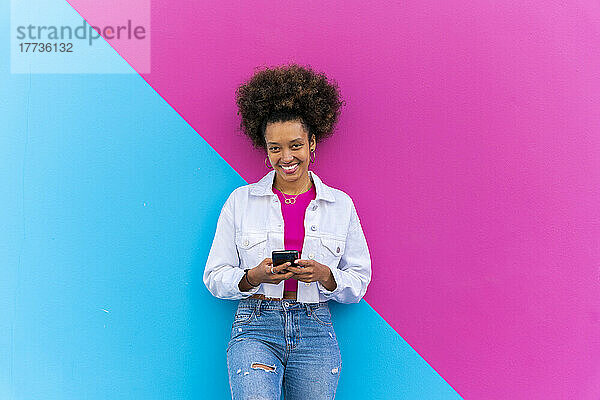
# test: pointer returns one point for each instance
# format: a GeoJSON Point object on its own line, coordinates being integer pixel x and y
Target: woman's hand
{"type": "Point", "coordinates": [313, 271]}
{"type": "Point", "coordinates": [262, 273]}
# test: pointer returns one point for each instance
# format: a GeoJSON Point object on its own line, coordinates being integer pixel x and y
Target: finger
{"type": "Point", "coordinates": [281, 266]}
{"type": "Point", "coordinates": [287, 275]}
{"type": "Point", "coordinates": [303, 263]}
{"type": "Point", "coordinates": [282, 277]}
{"type": "Point", "coordinates": [298, 270]}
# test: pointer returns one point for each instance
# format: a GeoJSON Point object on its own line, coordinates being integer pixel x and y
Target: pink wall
{"type": "Point", "coordinates": [471, 146]}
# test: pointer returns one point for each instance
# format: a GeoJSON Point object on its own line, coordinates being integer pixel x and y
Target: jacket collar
{"type": "Point", "coordinates": [264, 187]}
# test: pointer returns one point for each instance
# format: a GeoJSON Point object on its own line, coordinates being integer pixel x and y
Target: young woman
{"type": "Point", "coordinates": [282, 334]}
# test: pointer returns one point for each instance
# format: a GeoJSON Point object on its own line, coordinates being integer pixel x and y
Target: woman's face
{"type": "Point", "coordinates": [288, 146]}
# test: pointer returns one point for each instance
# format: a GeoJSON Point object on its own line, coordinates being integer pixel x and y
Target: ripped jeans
{"type": "Point", "coordinates": [287, 344]}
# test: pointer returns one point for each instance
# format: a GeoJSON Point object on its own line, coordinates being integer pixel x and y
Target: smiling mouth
{"type": "Point", "coordinates": [289, 168]}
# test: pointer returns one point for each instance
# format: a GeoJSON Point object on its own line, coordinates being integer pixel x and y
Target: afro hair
{"type": "Point", "coordinates": [288, 93]}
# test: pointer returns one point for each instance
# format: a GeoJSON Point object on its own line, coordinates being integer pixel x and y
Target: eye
{"type": "Point", "coordinates": [273, 148]}
{"type": "Point", "coordinates": [297, 145]}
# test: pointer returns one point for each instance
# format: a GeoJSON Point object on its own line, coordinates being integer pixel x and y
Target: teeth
{"type": "Point", "coordinates": [290, 167]}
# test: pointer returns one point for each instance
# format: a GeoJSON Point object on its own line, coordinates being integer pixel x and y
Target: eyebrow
{"type": "Point", "coordinates": [293, 140]}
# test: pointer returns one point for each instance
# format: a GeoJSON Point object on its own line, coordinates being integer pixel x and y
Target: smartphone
{"type": "Point", "coordinates": [282, 256]}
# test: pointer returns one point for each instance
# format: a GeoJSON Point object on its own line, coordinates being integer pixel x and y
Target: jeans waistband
{"type": "Point", "coordinates": [284, 304]}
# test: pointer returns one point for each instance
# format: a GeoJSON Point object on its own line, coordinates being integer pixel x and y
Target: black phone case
{"type": "Point", "coordinates": [282, 256]}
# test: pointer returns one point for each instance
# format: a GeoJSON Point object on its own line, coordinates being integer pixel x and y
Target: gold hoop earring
{"type": "Point", "coordinates": [314, 153]}
{"type": "Point", "coordinates": [269, 166]}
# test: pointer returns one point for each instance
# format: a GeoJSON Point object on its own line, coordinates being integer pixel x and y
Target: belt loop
{"type": "Point", "coordinates": [308, 309]}
{"type": "Point", "coordinates": [257, 307]}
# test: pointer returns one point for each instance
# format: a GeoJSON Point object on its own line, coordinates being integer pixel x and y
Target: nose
{"type": "Point", "coordinates": [286, 156]}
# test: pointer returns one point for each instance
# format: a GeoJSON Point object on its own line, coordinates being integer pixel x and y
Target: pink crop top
{"type": "Point", "coordinates": [293, 222]}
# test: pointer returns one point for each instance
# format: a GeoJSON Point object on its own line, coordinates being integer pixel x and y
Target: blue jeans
{"type": "Point", "coordinates": [283, 343]}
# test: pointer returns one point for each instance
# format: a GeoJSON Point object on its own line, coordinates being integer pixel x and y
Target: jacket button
{"type": "Point", "coordinates": [311, 256]}
{"type": "Point", "coordinates": [337, 250]}
{"type": "Point", "coordinates": [313, 228]}
{"type": "Point", "coordinates": [246, 242]}
{"type": "Point", "coordinates": [314, 207]}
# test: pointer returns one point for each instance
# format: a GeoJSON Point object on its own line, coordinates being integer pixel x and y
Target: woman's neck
{"type": "Point", "coordinates": [292, 188]}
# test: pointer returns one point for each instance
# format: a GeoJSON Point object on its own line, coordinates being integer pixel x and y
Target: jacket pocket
{"type": "Point", "coordinates": [251, 248]}
{"type": "Point", "coordinates": [332, 250]}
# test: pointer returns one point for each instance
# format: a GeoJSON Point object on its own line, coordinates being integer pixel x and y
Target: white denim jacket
{"type": "Point", "coordinates": [250, 227]}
